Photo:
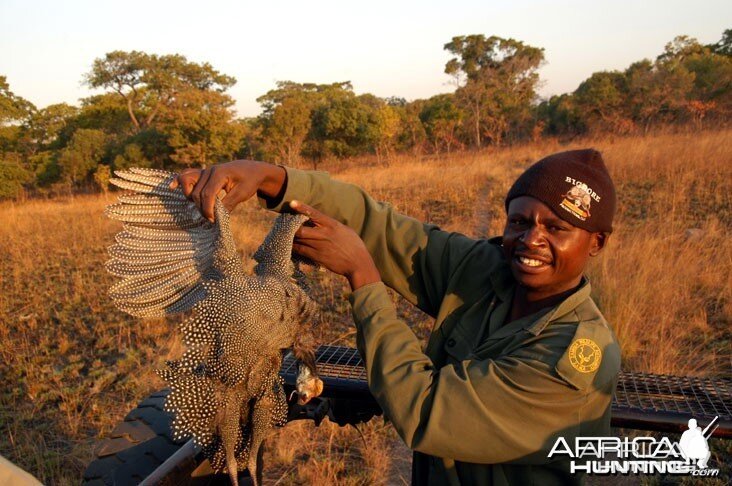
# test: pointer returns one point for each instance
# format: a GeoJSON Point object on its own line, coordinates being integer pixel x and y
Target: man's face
{"type": "Point", "coordinates": [547, 254]}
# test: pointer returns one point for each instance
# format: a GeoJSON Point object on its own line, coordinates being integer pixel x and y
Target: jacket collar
{"type": "Point", "coordinates": [565, 307]}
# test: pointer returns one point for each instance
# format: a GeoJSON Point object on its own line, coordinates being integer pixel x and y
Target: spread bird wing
{"type": "Point", "coordinates": [167, 251]}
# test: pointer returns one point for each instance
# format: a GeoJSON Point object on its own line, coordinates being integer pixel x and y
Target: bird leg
{"type": "Point", "coordinates": [230, 430]}
{"type": "Point", "coordinates": [261, 420]}
{"type": "Point", "coordinates": [268, 411]}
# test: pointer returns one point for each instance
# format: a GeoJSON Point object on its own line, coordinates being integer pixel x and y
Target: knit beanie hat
{"type": "Point", "coordinates": [575, 185]}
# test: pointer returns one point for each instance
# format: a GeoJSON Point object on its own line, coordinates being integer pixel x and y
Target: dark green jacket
{"type": "Point", "coordinates": [485, 402]}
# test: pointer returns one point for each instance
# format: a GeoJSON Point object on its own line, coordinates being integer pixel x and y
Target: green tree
{"type": "Point", "coordinates": [250, 146]}
{"type": "Point", "coordinates": [47, 128]}
{"type": "Point", "coordinates": [656, 90]}
{"type": "Point", "coordinates": [12, 107]}
{"type": "Point", "coordinates": [602, 100]}
{"type": "Point", "coordinates": [724, 46]}
{"type": "Point", "coordinates": [441, 119]}
{"type": "Point", "coordinates": [561, 116]}
{"type": "Point", "coordinates": [106, 112]}
{"type": "Point", "coordinates": [680, 48]}
{"type": "Point", "coordinates": [177, 111]}
{"type": "Point", "coordinates": [286, 120]}
{"type": "Point", "coordinates": [388, 126]}
{"type": "Point", "coordinates": [13, 110]}
{"type": "Point", "coordinates": [412, 134]}
{"type": "Point", "coordinates": [47, 170]}
{"type": "Point", "coordinates": [199, 128]}
{"type": "Point", "coordinates": [132, 155]}
{"type": "Point", "coordinates": [81, 157]}
{"type": "Point", "coordinates": [148, 83]}
{"type": "Point", "coordinates": [496, 79]}
{"type": "Point", "coordinates": [43, 133]}
{"type": "Point", "coordinates": [285, 131]}
{"type": "Point", "coordinates": [287, 89]}
{"type": "Point", "coordinates": [344, 124]}
{"type": "Point", "coordinates": [686, 78]}
{"type": "Point", "coordinates": [102, 176]}
{"type": "Point", "coordinates": [711, 69]}
{"type": "Point", "coordinates": [396, 101]}
{"type": "Point", "coordinates": [13, 176]}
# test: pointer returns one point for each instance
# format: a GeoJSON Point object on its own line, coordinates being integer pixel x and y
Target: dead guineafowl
{"type": "Point", "coordinates": [225, 390]}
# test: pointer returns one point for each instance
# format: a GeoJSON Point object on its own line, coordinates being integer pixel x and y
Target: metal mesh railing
{"type": "Point", "coordinates": [337, 365]}
{"type": "Point", "coordinates": [667, 402]}
{"type": "Point", "coordinates": [642, 400]}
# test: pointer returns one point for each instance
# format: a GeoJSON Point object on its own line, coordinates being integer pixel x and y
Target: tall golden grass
{"type": "Point", "coordinates": [71, 365]}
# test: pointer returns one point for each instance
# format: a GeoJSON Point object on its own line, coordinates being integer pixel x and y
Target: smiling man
{"type": "Point", "coordinates": [519, 354]}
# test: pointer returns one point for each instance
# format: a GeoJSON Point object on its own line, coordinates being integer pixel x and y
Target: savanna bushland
{"type": "Point", "coordinates": [72, 365]}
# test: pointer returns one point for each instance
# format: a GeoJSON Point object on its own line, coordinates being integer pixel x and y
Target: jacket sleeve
{"type": "Point", "coordinates": [413, 258]}
{"type": "Point", "coordinates": [475, 411]}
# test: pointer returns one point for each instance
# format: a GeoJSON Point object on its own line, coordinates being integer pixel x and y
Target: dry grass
{"type": "Point", "coordinates": [71, 365]}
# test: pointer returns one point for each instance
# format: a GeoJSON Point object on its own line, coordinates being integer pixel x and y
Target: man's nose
{"type": "Point", "coordinates": [533, 236]}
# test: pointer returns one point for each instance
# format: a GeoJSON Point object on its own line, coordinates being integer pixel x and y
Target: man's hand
{"type": "Point", "coordinates": [240, 180]}
{"type": "Point", "coordinates": [334, 246]}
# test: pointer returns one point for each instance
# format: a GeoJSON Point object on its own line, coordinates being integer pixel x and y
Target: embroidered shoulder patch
{"type": "Point", "coordinates": [585, 355]}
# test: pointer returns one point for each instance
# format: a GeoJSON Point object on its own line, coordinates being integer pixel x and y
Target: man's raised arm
{"type": "Point", "coordinates": [413, 258]}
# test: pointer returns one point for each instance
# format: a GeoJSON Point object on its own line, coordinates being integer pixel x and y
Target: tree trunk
{"type": "Point", "coordinates": [132, 115]}
{"type": "Point", "coordinates": [476, 114]}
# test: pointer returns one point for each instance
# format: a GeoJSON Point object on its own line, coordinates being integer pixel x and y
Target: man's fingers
{"type": "Point", "coordinates": [209, 194]}
{"type": "Point", "coordinates": [305, 250]}
{"type": "Point", "coordinates": [234, 197]}
{"type": "Point", "coordinates": [187, 185]}
{"type": "Point", "coordinates": [310, 233]}
{"type": "Point", "coordinates": [186, 180]}
{"type": "Point", "coordinates": [198, 188]}
{"type": "Point", "coordinates": [315, 216]}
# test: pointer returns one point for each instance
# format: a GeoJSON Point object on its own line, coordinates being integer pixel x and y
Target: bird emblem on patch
{"type": "Point", "coordinates": [585, 355]}
{"type": "Point", "coordinates": [577, 201]}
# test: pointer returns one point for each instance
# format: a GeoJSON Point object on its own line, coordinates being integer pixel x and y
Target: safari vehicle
{"type": "Point", "coordinates": [141, 450]}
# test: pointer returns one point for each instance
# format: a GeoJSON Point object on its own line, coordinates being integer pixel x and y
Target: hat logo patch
{"type": "Point", "coordinates": [578, 199]}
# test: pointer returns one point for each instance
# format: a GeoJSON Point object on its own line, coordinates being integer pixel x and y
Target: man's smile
{"type": "Point", "coordinates": [531, 262]}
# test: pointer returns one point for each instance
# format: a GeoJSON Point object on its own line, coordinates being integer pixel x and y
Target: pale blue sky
{"type": "Point", "coordinates": [387, 48]}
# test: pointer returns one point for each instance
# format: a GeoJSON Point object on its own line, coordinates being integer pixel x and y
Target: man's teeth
{"type": "Point", "coordinates": [530, 262]}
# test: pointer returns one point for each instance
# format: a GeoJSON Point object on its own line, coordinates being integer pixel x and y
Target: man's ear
{"type": "Point", "coordinates": [599, 240]}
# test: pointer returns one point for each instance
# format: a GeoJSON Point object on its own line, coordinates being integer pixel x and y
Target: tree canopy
{"type": "Point", "coordinates": [150, 83]}
{"type": "Point", "coordinates": [496, 79]}
{"type": "Point", "coordinates": [168, 112]}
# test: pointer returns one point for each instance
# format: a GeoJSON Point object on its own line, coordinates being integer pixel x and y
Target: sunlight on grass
{"type": "Point", "coordinates": [72, 365]}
